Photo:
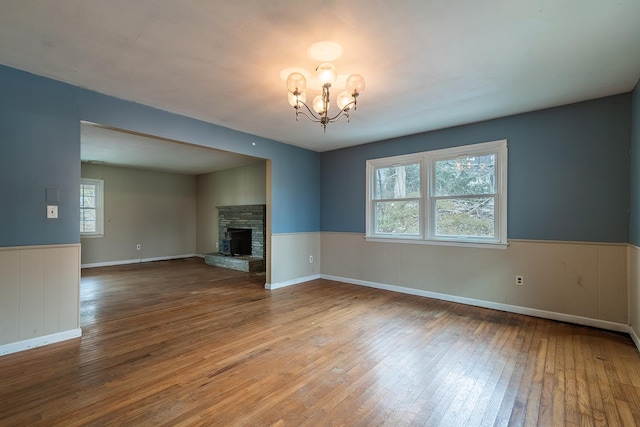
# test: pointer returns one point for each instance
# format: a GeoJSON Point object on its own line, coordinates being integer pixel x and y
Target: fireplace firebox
{"type": "Point", "coordinates": [236, 241]}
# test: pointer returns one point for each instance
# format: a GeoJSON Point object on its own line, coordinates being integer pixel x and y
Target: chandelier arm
{"type": "Point", "coordinates": [344, 111]}
{"type": "Point", "coordinates": [313, 117]}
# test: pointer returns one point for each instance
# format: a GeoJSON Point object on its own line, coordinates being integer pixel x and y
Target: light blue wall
{"type": "Point", "coordinates": [40, 149]}
{"type": "Point", "coordinates": [568, 171]}
{"type": "Point", "coordinates": [634, 225]}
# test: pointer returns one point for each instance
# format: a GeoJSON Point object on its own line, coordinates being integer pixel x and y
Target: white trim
{"type": "Point", "coordinates": [272, 286]}
{"type": "Point", "coordinates": [136, 261]}
{"type": "Point", "coordinates": [562, 317]}
{"type": "Point", "coordinates": [15, 347]}
{"type": "Point", "coordinates": [440, 242]}
{"type": "Point", "coordinates": [22, 248]}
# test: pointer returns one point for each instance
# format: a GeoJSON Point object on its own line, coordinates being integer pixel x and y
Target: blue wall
{"type": "Point", "coordinates": [40, 150]}
{"type": "Point", "coordinates": [568, 171]}
{"type": "Point", "coordinates": [634, 225]}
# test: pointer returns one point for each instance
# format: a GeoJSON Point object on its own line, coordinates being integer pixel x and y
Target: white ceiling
{"type": "Point", "coordinates": [428, 64]}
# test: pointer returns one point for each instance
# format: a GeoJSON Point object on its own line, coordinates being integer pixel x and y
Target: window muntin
{"type": "Point", "coordinates": [91, 207]}
{"type": "Point", "coordinates": [460, 195]}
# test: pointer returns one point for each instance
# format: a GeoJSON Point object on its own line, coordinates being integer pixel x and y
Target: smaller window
{"type": "Point", "coordinates": [91, 207]}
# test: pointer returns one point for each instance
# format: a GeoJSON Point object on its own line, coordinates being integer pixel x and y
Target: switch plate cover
{"type": "Point", "coordinates": [52, 211]}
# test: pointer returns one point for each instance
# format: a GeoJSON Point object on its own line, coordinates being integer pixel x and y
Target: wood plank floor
{"type": "Point", "coordinates": [183, 343]}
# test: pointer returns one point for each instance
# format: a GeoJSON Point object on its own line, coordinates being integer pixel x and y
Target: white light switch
{"type": "Point", "coordinates": [52, 211]}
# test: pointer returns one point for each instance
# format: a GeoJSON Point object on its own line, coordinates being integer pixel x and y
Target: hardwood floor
{"type": "Point", "coordinates": [184, 343]}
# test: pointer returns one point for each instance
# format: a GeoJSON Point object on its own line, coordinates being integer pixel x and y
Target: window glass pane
{"type": "Point", "coordinates": [88, 195]}
{"type": "Point", "coordinates": [466, 176]}
{"type": "Point", "coordinates": [87, 220]}
{"type": "Point", "coordinates": [471, 217]}
{"type": "Point", "coordinates": [401, 217]}
{"type": "Point", "coordinates": [397, 182]}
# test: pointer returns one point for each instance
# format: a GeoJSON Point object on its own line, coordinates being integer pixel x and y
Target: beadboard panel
{"type": "Point", "coordinates": [579, 279]}
{"type": "Point", "coordinates": [634, 291]}
{"type": "Point", "coordinates": [39, 291]}
{"type": "Point", "coordinates": [9, 295]}
{"type": "Point", "coordinates": [290, 260]}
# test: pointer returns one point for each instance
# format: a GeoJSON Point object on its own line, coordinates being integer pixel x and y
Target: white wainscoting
{"type": "Point", "coordinates": [584, 283]}
{"type": "Point", "coordinates": [290, 259]}
{"type": "Point", "coordinates": [39, 295]}
{"type": "Point", "coordinates": [634, 293]}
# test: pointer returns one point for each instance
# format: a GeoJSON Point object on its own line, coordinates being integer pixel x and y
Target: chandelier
{"type": "Point", "coordinates": [319, 113]}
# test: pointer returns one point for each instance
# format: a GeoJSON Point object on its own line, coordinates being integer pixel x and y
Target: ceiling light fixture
{"type": "Point", "coordinates": [326, 75]}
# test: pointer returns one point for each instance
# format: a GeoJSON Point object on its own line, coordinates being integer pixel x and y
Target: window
{"type": "Point", "coordinates": [451, 196]}
{"type": "Point", "coordinates": [91, 207]}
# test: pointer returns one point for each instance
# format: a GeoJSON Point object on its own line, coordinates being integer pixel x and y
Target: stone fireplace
{"type": "Point", "coordinates": [235, 223]}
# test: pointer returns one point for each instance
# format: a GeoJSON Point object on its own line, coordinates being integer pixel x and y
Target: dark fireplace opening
{"type": "Point", "coordinates": [236, 241]}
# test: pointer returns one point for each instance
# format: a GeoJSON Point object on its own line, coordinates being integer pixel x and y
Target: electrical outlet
{"type": "Point", "coordinates": [138, 247]}
{"type": "Point", "coordinates": [310, 258]}
{"type": "Point", "coordinates": [519, 280]}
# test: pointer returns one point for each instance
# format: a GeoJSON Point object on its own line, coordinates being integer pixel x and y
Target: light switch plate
{"type": "Point", "coordinates": [52, 211]}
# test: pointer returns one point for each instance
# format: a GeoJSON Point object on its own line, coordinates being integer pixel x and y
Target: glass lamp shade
{"type": "Point", "coordinates": [326, 73]}
{"type": "Point", "coordinates": [296, 82]}
{"type": "Point", "coordinates": [345, 99]}
{"type": "Point", "coordinates": [355, 84]}
{"type": "Point", "coordinates": [295, 99]}
{"type": "Point", "coordinates": [318, 105]}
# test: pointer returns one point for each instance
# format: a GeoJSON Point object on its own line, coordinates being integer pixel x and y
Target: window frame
{"type": "Point", "coordinates": [99, 209]}
{"type": "Point", "coordinates": [427, 209]}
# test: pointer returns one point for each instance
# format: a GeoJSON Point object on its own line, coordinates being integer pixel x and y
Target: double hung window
{"type": "Point", "coordinates": [450, 196]}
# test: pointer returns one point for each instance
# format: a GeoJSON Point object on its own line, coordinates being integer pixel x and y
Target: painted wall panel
{"type": "Point", "coordinates": [568, 171]}
{"type": "Point", "coordinates": [613, 295]}
{"type": "Point", "coordinates": [573, 278]}
{"type": "Point", "coordinates": [9, 295]}
{"type": "Point", "coordinates": [31, 320]}
{"type": "Point", "coordinates": [290, 259]}
{"type": "Point", "coordinates": [51, 305]}
{"type": "Point", "coordinates": [634, 288]}
{"type": "Point", "coordinates": [69, 311]}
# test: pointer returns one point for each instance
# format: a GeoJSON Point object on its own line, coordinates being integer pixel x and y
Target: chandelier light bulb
{"type": "Point", "coordinates": [319, 106]}
{"type": "Point", "coordinates": [296, 83]}
{"type": "Point", "coordinates": [355, 84]}
{"type": "Point", "coordinates": [295, 100]}
{"type": "Point", "coordinates": [326, 73]}
{"type": "Point", "coordinates": [344, 99]}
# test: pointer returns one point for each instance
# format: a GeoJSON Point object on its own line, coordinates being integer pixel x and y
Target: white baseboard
{"type": "Point", "coordinates": [562, 317]}
{"type": "Point", "coordinates": [272, 286]}
{"type": "Point", "coordinates": [634, 337]}
{"type": "Point", "coordinates": [15, 347]}
{"type": "Point", "coordinates": [136, 261]}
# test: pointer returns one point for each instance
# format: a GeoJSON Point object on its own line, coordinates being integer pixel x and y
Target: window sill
{"type": "Point", "coordinates": [488, 245]}
{"type": "Point", "coordinates": [91, 236]}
